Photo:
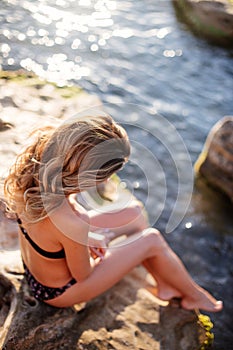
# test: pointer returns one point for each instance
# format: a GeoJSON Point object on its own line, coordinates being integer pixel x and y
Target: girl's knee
{"type": "Point", "coordinates": [152, 232]}
{"type": "Point", "coordinates": [155, 237]}
{"type": "Point", "coordinates": [138, 214]}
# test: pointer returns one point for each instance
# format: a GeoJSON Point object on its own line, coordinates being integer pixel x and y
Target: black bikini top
{"type": "Point", "coordinates": [52, 255]}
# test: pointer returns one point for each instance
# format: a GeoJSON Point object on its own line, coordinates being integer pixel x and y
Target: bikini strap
{"type": "Point", "coordinates": [51, 255]}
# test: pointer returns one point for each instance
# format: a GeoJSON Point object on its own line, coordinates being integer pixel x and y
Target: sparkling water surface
{"type": "Point", "coordinates": [147, 69]}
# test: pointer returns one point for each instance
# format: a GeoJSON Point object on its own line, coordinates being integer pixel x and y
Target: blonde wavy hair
{"type": "Point", "coordinates": [68, 159]}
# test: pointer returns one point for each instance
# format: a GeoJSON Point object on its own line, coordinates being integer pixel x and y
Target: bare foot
{"type": "Point", "coordinates": [202, 300]}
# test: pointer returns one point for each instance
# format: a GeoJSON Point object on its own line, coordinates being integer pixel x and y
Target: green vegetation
{"type": "Point", "coordinates": [30, 79]}
{"type": "Point", "coordinates": [69, 91]}
{"type": "Point", "coordinates": [205, 322]}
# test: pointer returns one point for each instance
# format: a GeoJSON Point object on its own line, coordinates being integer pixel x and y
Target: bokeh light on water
{"type": "Point", "coordinates": [135, 52]}
{"type": "Point", "coordinates": [128, 52]}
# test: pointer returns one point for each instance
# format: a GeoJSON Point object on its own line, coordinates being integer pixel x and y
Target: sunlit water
{"type": "Point", "coordinates": [142, 64]}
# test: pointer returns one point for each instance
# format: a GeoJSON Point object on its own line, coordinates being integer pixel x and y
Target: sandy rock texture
{"type": "Point", "coordinates": [26, 102]}
{"type": "Point", "coordinates": [215, 163]}
{"type": "Point", "coordinates": [127, 316]}
{"type": "Point", "coordinates": [212, 19]}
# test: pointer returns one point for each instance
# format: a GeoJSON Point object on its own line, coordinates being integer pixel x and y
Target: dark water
{"type": "Point", "coordinates": [167, 87]}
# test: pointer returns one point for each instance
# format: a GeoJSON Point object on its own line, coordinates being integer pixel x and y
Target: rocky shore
{"type": "Point", "coordinates": [211, 19]}
{"type": "Point", "coordinates": [126, 317]}
{"type": "Point", "coordinates": [215, 162]}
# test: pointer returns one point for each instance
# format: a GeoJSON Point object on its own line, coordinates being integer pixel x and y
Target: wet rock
{"type": "Point", "coordinates": [7, 101]}
{"type": "Point", "coordinates": [5, 126]}
{"type": "Point", "coordinates": [215, 163]}
{"type": "Point", "coordinates": [212, 19]}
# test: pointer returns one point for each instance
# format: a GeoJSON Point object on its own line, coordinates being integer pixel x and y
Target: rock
{"type": "Point", "coordinates": [128, 316]}
{"type": "Point", "coordinates": [215, 163]}
{"type": "Point", "coordinates": [4, 126]}
{"type": "Point", "coordinates": [125, 317]}
{"type": "Point", "coordinates": [35, 104]}
{"type": "Point", "coordinates": [212, 19]}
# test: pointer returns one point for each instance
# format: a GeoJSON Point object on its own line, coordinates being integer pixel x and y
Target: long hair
{"type": "Point", "coordinates": [68, 159]}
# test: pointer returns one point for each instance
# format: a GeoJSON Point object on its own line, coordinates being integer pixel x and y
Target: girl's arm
{"type": "Point", "coordinates": [97, 245]}
{"type": "Point", "coordinates": [125, 221]}
{"type": "Point", "coordinates": [73, 235]}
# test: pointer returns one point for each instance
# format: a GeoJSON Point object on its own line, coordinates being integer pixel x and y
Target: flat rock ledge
{"type": "Point", "coordinates": [128, 316]}
{"type": "Point", "coordinates": [211, 19]}
{"type": "Point", "coordinates": [125, 317]}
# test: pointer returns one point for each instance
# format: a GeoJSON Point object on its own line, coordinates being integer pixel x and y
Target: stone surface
{"type": "Point", "coordinates": [212, 19]}
{"type": "Point", "coordinates": [215, 163]}
{"type": "Point", "coordinates": [127, 316]}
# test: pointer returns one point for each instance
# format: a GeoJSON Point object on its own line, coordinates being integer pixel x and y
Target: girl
{"type": "Point", "coordinates": [65, 263]}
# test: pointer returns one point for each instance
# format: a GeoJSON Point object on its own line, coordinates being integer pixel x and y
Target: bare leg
{"type": "Point", "coordinates": [162, 290]}
{"type": "Point", "coordinates": [129, 221]}
{"type": "Point", "coordinates": [150, 247]}
{"type": "Point", "coordinates": [174, 281]}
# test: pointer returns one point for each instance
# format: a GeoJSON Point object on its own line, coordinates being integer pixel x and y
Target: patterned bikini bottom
{"type": "Point", "coordinates": [42, 292]}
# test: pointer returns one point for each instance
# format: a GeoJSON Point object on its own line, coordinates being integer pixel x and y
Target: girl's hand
{"type": "Point", "coordinates": [97, 245]}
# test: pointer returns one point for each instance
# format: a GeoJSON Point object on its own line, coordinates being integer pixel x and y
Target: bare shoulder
{"type": "Point", "coordinates": [71, 221]}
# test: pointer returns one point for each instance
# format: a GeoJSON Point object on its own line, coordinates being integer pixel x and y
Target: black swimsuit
{"type": "Point", "coordinates": [51, 255]}
{"type": "Point", "coordinates": [40, 291]}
